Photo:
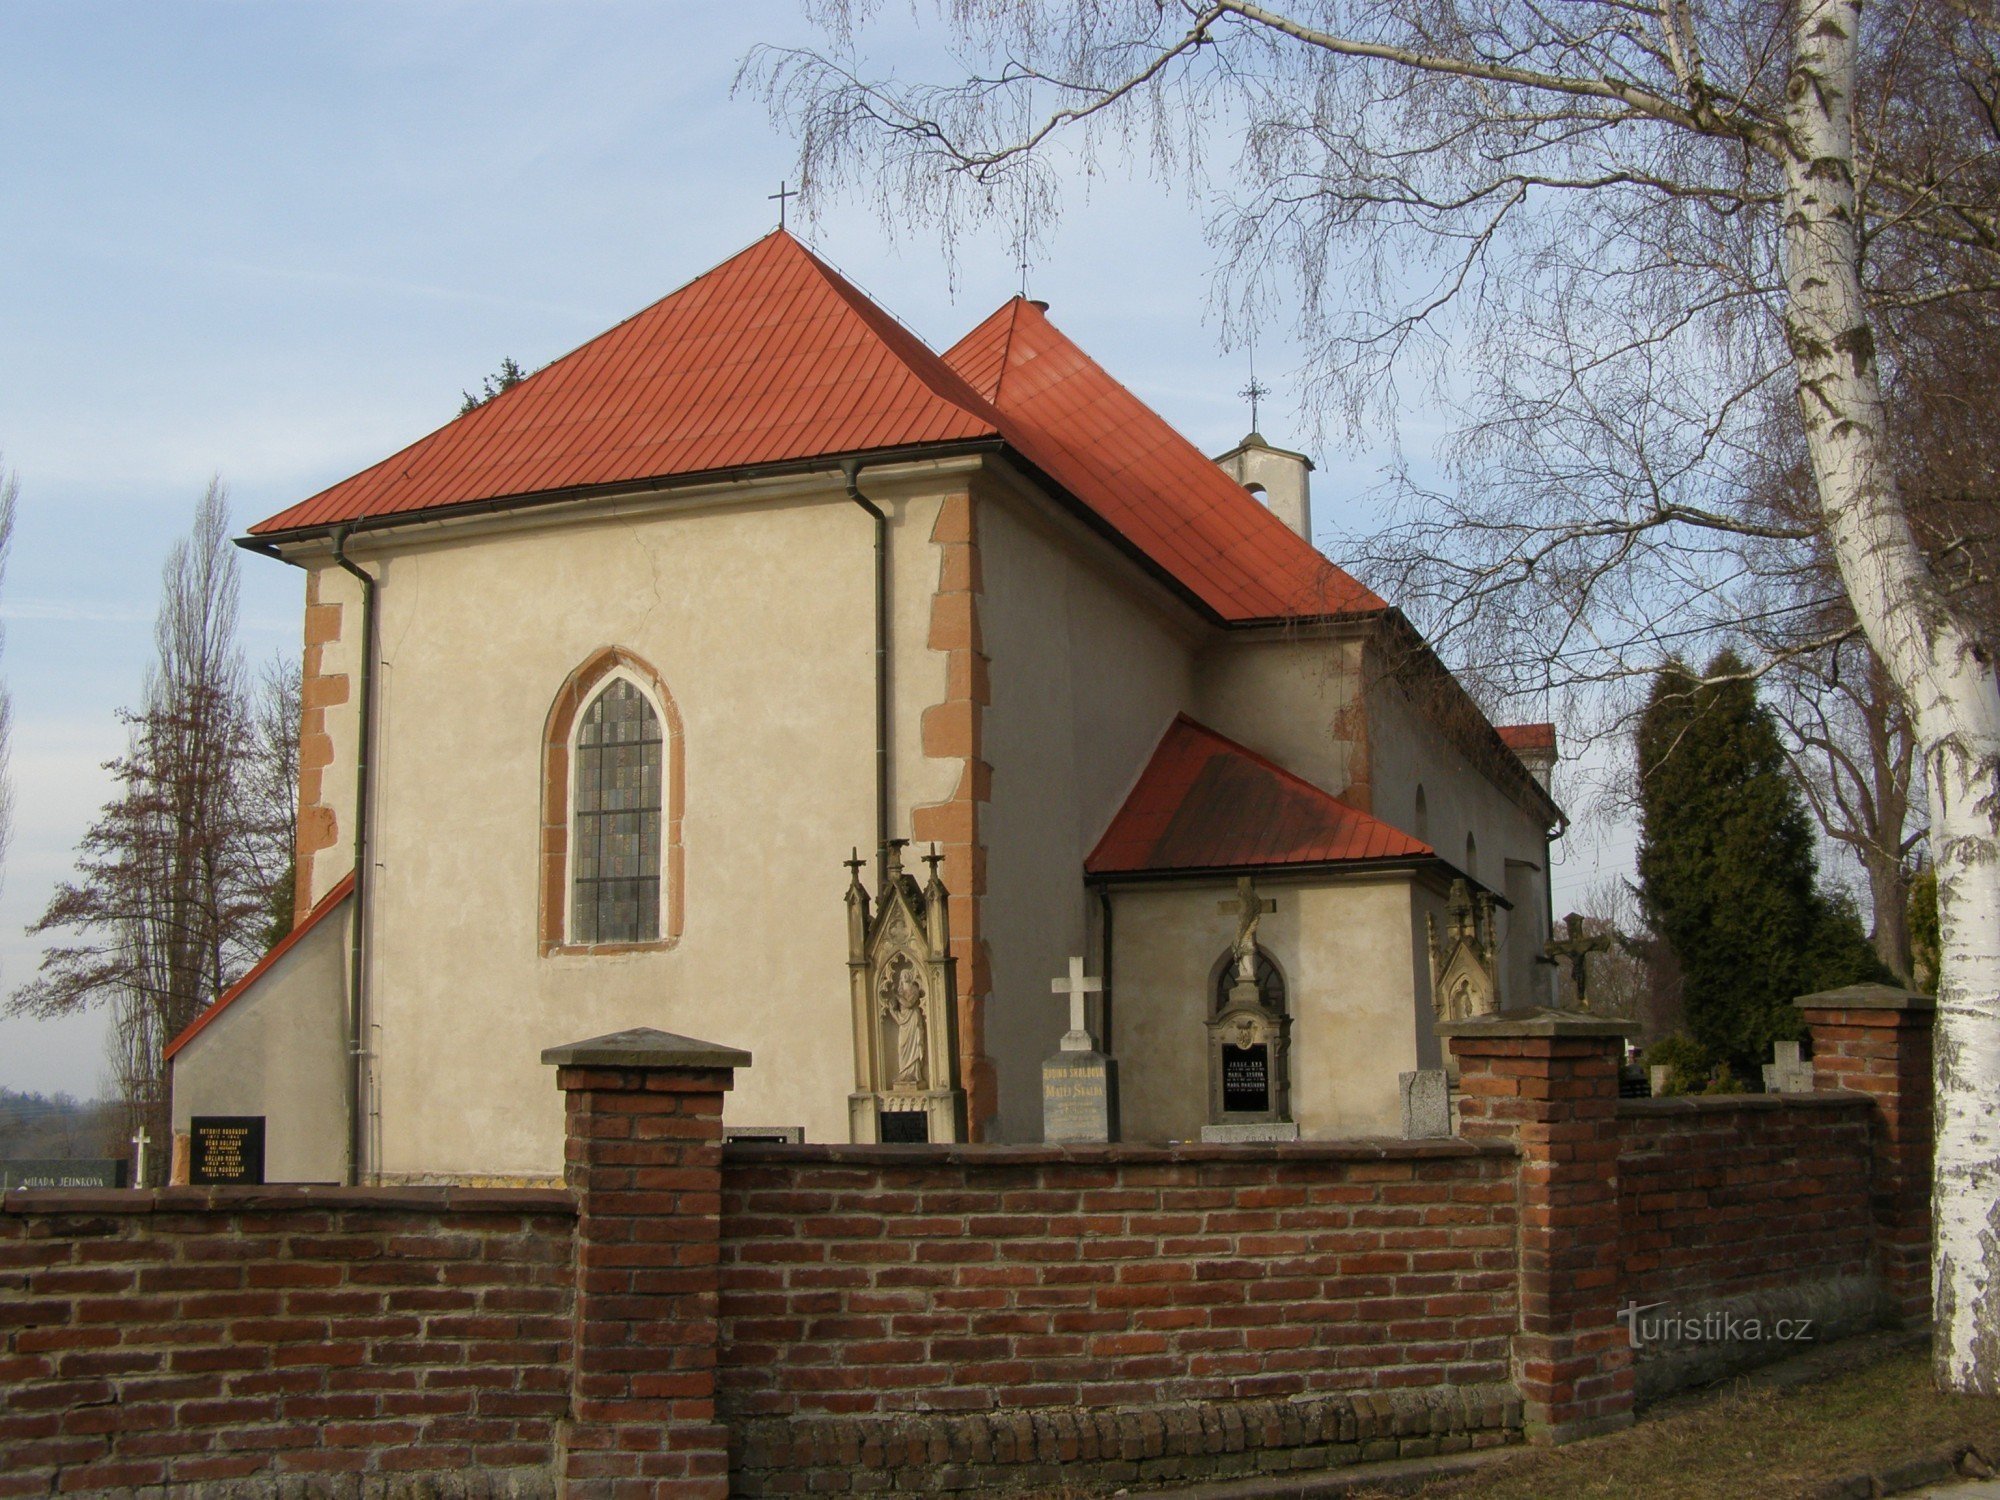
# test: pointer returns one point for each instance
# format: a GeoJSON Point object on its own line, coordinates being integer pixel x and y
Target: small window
{"type": "Point", "coordinates": [1421, 821]}
{"type": "Point", "coordinates": [1472, 856]}
{"type": "Point", "coordinates": [615, 843]}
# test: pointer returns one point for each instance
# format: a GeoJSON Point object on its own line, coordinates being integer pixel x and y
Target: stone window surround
{"type": "Point", "coordinates": [558, 757]}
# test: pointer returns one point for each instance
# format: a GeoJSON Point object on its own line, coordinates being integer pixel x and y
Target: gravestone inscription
{"type": "Point", "coordinates": [905, 1127]}
{"type": "Point", "coordinates": [225, 1150]}
{"type": "Point", "coordinates": [1246, 1079]}
{"type": "Point", "coordinates": [65, 1172]}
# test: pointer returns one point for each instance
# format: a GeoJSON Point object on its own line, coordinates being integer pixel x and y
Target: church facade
{"type": "Point", "coordinates": [605, 680]}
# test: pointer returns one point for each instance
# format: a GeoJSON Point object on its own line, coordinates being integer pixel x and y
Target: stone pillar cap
{"type": "Point", "coordinates": [1540, 1021]}
{"type": "Point", "coordinates": [644, 1047]}
{"type": "Point", "coordinates": [1867, 997]}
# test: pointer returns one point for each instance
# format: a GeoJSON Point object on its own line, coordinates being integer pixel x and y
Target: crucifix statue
{"type": "Point", "coordinates": [1247, 908]}
{"type": "Point", "coordinates": [1079, 989]}
{"type": "Point", "coordinates": [1577, 948]}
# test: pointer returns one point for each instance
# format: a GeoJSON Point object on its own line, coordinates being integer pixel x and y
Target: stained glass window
{"type": "Point", "coordinates": [615, 845]}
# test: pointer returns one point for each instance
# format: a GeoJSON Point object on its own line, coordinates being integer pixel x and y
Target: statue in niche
{"type": "Point", "coordinates": [1465, 980]}
{"type": "Point", "coordinates": [902, 996]}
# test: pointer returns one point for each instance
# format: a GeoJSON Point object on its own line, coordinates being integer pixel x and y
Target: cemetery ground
{"type": "Point", "coordinates": [1846, 1421]}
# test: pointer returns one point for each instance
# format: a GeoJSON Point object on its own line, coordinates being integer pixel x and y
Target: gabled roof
{"type": "Point", "coordinates": [1205, 802]}
{"type": "Point", "coordinates": [774, 357]}
{"type": "Point", "coordinates": [327, 903]}
{"type": "Point", "coordinates": [770, 357]}
{"type": "Point", "coordinates": [1520, 737]}
{"type": "Point", "coordinates": [1071, 420]}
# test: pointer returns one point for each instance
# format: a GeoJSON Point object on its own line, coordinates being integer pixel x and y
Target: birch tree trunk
{"type": "Point", "coordinates": [1935, 658]}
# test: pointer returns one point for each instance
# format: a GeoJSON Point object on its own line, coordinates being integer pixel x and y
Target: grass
{"type": "Point", "coordinates": [1756, 1438]}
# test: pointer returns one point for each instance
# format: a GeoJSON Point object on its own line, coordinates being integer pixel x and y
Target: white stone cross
{"type": "Point", "coordinates": [141, 1141]}
{"type": "Point", "coordinates": [1788, 1073]}
{"type": "Point", "coordinates": [1078, 989]}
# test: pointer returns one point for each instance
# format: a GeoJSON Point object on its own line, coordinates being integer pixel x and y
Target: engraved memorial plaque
{"type": "Point", "coordinates": [1246, 1079]}
{"type": "Point", "coordinates": [226, 1150]}
{"type": "Point", "coordinates": [905, 1127]}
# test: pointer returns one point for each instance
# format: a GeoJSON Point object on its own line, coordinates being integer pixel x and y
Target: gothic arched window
{"type": "Point", "coordinates": [1270, 981]}
{"type": "Point", "coordinates": [614, 873]}
{"type": "Point", "coordinates": [611, 817]}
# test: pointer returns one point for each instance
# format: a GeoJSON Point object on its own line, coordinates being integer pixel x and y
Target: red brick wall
{"type": "Point", "coordinates": [1744, 1228]}
{"type": "Point", "coordinates": [1725, 1196]}
{"type": "Point", "coordinates": [192, 1335]}
{"type": "Point", "coordinates": [859, 1279]}
{"type": "Point", "coordinates": [868, 1282]}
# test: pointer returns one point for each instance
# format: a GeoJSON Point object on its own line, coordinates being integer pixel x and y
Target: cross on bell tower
{"type": "Point", "coordinates": [781, 195]}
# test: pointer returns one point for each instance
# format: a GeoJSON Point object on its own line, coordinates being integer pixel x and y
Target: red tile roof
{"type": "Point", "coordinates": [1205, 802]}
{"type": "Point", "coordinates": [774, 357]}
{"type": "Point", "coordinates": [1519, 737]}
{"type": "Point", "coordinates": [259, 969]}
{"type": "Point", "coordinates": [1104, 445]}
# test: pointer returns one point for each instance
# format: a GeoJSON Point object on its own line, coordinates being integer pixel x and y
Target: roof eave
{"type": "Point", "coordinates": [1383, 864]}
{"type": "Point", "coordinates": [269, 542]}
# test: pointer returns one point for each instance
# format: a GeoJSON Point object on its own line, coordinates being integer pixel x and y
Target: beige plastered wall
{"type": "Point", "coordinates": [330, 735]}
{"type": "Point", "coordinates": [279, 1050]}
{"type": "Point", "coordinates": [1355, 1011]}
{"type": "Point", "coordinates": [1511, 857]}
{"type": "Point", "coordinates": [1089, 664]}
{"type": "Point", "coordinates": [756, 610]}
{"type": "Point", "coordinates": [1289, 698]}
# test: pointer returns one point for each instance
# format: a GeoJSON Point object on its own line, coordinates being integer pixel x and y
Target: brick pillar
{"type": "Point", "coordinates": [643, 1152]}
{"type": "Point", "coordinates": [1548, 1080]}
{"type": "Point", "coordinates": [1876, 1040]}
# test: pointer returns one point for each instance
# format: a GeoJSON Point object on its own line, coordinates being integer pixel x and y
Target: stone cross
{"type": "Point", "coordinates": [1248, 910]}
{"type": "Point", "coordinates": [1078, 988]}
{"type": "Point", "coordinates": [1577, 948]}
{"type": "Point", "coordinates": [141, 1141]}
{"type": "Point", "coordinates": [781, 195]}
{"type": "Point", "coordinates": [1787, 1073]}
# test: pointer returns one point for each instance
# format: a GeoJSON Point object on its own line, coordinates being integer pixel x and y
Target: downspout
{"type": "Point", "coordinates": [850, 470]}
{"type": "Point", "coordinates": [1104, 965]}
{"type": "Point", "coordinates": [1549, 837]}
{"type": "Point", "coordinates": [357, 1050]}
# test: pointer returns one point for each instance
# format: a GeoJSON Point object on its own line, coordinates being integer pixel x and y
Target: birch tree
{"type": "Point", "coordinates": [1607, 230]}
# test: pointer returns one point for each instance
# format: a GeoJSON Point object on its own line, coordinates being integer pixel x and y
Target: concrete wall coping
{"type": "Point", "coordinates": [1867, 997]}
{"type": "Point", "coordinates": [1539, 1022]}
{"type": "Point", "coordinates": [1709, 1104]}
{"type": "Point", "coordinates": [645, 1047]}
{"type": "Point", "coordinates": [1115, 1154]}
{"type": "Point", "coordinates": [280, 1197]}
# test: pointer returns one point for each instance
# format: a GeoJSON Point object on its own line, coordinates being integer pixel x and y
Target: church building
{"type": "Point", "coordinates": [756, 673]}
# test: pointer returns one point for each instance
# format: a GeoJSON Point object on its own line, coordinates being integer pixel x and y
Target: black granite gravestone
{"type": "Point", "coordinates": [1246, 1079]}
{"type": "Point", "coordinates": [225, 1150]}
{"type": "Point", "coordinates": [66, 1172]}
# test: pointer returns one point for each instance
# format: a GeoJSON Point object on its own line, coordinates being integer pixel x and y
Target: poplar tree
{"type": "Point", "coordinates": [173, 893]}
{"type": "Point", "coordinates": [1727, 868]}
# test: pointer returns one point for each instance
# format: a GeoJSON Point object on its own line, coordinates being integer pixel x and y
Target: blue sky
{"type": "Point", "coordinates": [273, 242]}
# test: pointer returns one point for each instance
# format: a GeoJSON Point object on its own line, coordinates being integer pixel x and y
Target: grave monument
{"type": "Point", "coordinates": [1079, 1083]}
{"type": "Point", "coordinates": [1249, 1042]}
{"type": "Point", "coordinates": [905, 1003]}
